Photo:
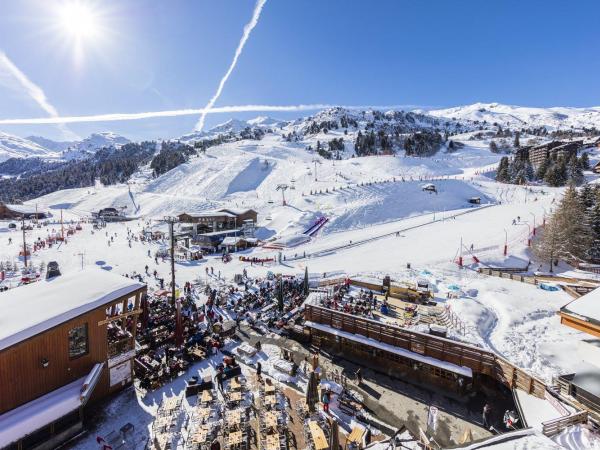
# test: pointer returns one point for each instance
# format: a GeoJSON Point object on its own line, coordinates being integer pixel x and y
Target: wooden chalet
{"type": "Point", "coordinates": [17, 212]}
{"type": "Point", "coordinates": [64, 342]}
{"type": "Point", "coordinates": [220, 220]}
{"type": "Point", "coordinates": [583, 314]}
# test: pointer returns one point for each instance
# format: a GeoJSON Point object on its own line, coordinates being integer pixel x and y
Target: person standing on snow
{"type": "Point", "coordinates": [487, 411]}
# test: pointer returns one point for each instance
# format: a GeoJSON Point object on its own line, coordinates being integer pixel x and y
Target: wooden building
{"type": "Point", "coordinates": [414, 356]}
{"type": "Point", "coordinates": [583, 314]}
{"type": "Point", "coordinates": [220, 220]}
{"type": "Point", "coordinates": [17, 212]}
{"type": "Point", "coordinates": [63, 342]}
{"type": "Point", "coordinates": [555, 149]}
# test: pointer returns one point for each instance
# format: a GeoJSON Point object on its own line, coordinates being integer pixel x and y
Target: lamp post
{"type": "Point", "coordinates": [316, 161]}
{"type": "Point", "coordinates": [544, 218]}
{"type": "Point", "coordinates": [505, 242]}
{"type": "Point", "coordinates": [171, 221]}
{"type": "Point", "coordinates": [533, 222]}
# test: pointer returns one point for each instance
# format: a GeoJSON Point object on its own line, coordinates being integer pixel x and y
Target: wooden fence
{"type": "Point", "coordinates": [553, 427]}
{"type": "Point", "coordinates": [580, 284]}
{"type": "Point", "coordinates": [477, 359]}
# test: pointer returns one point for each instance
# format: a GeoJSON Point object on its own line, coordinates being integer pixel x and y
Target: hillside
{"type": "Point", "coordinates": [17, 147]}
{"type": "Point", "coordinates": [523, 117]}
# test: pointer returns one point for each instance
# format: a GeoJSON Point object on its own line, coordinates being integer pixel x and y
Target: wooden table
{"type": "Point", "coordinates": [200, 435]}
{"type": "Point", "coordinates": [271, 420]}
{"type": "Point", "coordinates": [356, 435]}
{"type": "Point", "coordinates": [235, 397]}
{"type": "Point", "coordinates": [270, 400]}
{"type": "Point", "coordinates": [234, 438]}
{"type": "Point", "coordinates": [318, 435]}
{"type": "Point", "coordinates": [170, 403]}
{"type": "Point", "coordinates": [233, 417]}
{"type": "Point", "coordinates": [162, 422]}
{"type": "Point", "coordinates": [203, 413]}
{"type": "Point", "coordinates": [198, 353]}
{"type": "Point", "coordinates": [206, 397]}
{"type": "Point", "coordinates": [161, 440]}
{"type": "Point", "coordinates": [269, 388]}
{"type": "Point", "coordinates": [234, 385]}
{"type": "Point", "coordinates": [272, 442]}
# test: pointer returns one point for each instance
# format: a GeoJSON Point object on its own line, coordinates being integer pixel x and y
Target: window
{"type": "Point", "coordinates": [78, 341]}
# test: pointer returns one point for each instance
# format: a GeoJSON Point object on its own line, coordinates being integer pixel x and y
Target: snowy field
{"type": "Point", "coordinates": [380, 220]}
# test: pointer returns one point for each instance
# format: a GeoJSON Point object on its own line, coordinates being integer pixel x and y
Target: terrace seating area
{"type": "Point", "coordinates": [370, 305]}
{"type": "Point", "coordinates": [233, 417]}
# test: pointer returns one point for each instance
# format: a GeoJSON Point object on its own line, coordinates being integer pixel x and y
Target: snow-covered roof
{"type": "Point", "coordinates": [210, 214]}
{"type": "Point", "coordinates": [460, 370]}
{"type": "Point", "coordinates": [535, 411]}
{"type": "Point", "coordinates": [23, 209]}
{"type": "Point", "coordinates": [516, 440]}
{"type": "Point", "coordinates": [231, 240]}
{"type": "Point", "coordinates": [237, 211]}
{"type": "Point", "coordinates": [587, 378]}
{"type": "Point", "coordinates": [587, 306]}
{"type": "Point", "coordinates": [35, 308]}
{"type": "Point", "coordinates": [27, 418]}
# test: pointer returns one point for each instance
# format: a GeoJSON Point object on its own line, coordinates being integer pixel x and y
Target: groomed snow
{"type": "Point", "coordinates": [32, 309]}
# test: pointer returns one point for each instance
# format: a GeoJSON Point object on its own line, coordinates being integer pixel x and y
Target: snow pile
{"type": "Point", "coordinates": [578, 437]}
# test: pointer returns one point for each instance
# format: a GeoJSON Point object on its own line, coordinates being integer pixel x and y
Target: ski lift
{"type": "Point", "coordinates": [269, 218]}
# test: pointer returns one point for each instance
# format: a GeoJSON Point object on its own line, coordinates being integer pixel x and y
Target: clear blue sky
{"type": "Point", "coordinates": [157, 55]}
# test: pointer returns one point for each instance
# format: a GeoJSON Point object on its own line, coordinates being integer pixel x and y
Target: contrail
{"type": "Point", "coordinates": [153, 114]}
{"type": "Point", "coordinates": [36, 93]}
{"type": "Point", "coordinates": [117, 117]}
{"type": "Point", "coordinates": [238, 51]}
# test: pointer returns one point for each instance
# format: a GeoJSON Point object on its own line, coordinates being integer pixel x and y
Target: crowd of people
{"type": "Point", "coordinates": [361, 303]}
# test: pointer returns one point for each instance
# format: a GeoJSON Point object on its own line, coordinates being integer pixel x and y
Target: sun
{"type": "Point", "coordinates": [78, 20]}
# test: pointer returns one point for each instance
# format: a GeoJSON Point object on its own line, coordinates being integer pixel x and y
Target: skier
{"type": "Point", "coordinates": [358, 375]}
{"type": "Point", "coordinates": [326, 399]}
{"type": "Point", "coordinates": [259, 371]}
{"type": "Point", "coordinates": [487, 410]}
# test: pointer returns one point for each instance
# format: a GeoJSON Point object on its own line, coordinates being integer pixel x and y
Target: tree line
{"type": "Point", "coordinates": [555, 170]}
{"type": "Point", "coordinates": [572, 233]}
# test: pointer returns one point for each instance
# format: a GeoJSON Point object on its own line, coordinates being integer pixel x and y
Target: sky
{"type": "Point", "coordinates": [142, 55]}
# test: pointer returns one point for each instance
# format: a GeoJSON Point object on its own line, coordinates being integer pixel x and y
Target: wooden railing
{"type": "Point", "coordinates": [553, 427]}
{"type": "Point", "coordinates": [477, 359]}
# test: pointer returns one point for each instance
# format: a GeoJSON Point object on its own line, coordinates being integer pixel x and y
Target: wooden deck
{"type": "Point", "coordinates": [479, 360]}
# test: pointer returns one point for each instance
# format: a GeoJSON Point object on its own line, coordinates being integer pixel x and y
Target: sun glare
{"type": "Point", "coordinates": [78, 20]}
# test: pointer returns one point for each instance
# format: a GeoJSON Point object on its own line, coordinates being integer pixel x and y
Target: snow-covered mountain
{"type": "Point", "coordinates": [55, 146]}
{"type": "Point", "coordinates": [232, 126]}
{"type": "Point", "coordinates": [94, 142]}
{"type": "Point", "coordinates": [16, 147]}
{"type": "Point", "coordinates": [37, 146]}
{"type": "Point", "coordinates": [457, 119]}
{"type": "Point", "coordinates": [522, 116]}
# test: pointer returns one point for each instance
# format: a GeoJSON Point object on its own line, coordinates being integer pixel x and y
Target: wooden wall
{"type": "Point", "coordinates": [22, 377]}
{"type": "Point", "coordinates": [479, 360]}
